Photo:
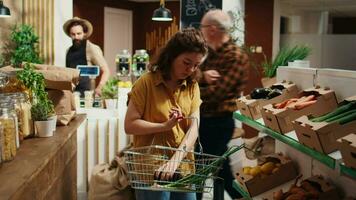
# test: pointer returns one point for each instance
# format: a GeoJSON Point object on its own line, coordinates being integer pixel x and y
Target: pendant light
{"type": "Point", "coordinates": [162, 13]}
{"type": "Point", "coordinates": [4, 11]}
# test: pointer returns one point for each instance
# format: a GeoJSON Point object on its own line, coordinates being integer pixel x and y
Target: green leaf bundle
{"type": "Point", "coordinates": [109, 90]}
{"type": "Point", "coordinates": [285, 55]}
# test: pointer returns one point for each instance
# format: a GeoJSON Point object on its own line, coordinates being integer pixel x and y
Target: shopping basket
{"type": "Point", "coordinates": [143, 162]}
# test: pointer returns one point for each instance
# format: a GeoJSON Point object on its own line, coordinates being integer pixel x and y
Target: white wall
{"type": "Point", "coordinates": [328, 51]}
{"type": "Point", "coordinates": [314, 41]}
{"type": "Point", "coordinates": [236, 6]}
{"type": "Point", "coordinates": [62, 12]}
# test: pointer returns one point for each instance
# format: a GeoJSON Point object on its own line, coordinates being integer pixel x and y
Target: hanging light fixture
{"type": "Point", "coordinates": [4, 11]}
{"type": "Point", "coordinates": [162, 13]}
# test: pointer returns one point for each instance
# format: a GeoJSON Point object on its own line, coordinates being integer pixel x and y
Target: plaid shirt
{"type": "Point", "coordinates": [232, 64]}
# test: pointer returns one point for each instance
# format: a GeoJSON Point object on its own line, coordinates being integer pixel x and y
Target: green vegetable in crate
{"type": "Point", "coordinates": [344, 108]}
{"type": "Point", "coordinates": [338, 117]}
{"type": "Point", "coordinates": [265, 93]}
{"type": "Point", "coordinates": [347, 118]}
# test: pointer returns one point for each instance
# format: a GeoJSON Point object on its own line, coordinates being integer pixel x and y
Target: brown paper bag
{"type": "Point", "coordinates": [110, 182]}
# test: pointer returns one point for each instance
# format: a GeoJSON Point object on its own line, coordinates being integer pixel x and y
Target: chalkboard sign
{"type": "Point", "coordinates": [193, 10]}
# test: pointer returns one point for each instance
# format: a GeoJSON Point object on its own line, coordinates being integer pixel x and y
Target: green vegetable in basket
{"type": "Point", "coordinates": [202, 173]}
{"type": "Point", "coordinates": [344, 108]}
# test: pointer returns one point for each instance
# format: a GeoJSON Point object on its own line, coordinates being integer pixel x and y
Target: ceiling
{"type": "Point", "coordinates": [344, 8]}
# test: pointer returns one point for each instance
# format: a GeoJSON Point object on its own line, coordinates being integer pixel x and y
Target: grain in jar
{"type": "Point", "coordinates": [9, 132]}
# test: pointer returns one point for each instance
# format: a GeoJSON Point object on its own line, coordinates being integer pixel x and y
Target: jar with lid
{"type": "Point", "coordinates": [123, 62]}
{"type": "Point", "coordinates": [10, 84]}
{"type": "Point", "coordinates": [9, 134]}
{"type": "Point", "coordinates": [140, 62]}
{"type": "Point", "coordinates": [20, 111]}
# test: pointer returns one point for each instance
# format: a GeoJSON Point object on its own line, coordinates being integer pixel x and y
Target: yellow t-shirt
{"type": "Point", "coordinates": [153, 100]}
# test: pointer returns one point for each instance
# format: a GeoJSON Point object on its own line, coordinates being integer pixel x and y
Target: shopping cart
{"type": "Point", "coordinates": [143, 164]}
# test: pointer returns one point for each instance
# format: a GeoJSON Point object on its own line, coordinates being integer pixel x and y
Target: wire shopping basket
{"type": "Point", "coordinates": [193, 171]}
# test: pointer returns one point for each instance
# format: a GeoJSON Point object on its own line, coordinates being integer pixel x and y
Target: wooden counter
{"type": "Point", "coordinates": [44, 168]}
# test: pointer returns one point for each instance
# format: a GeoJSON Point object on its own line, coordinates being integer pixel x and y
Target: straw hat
{"type": "Point", "coordinates": [84, 22]}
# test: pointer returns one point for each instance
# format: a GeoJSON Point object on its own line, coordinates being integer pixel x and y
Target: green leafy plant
{"type": "Point", "coordinates": [43, 106]}
{"type": "Point", "coordinates": [109, 90]}
{"type": "Point", "coordinates": [23, 46]}
{"type": "Point", "coordinates": [40, 111]}
{"type": "Point", "coordinates": [285, 55]}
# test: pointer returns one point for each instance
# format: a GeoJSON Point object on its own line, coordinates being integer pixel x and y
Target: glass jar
{"type": "Point", "coordinates": [123, 62]}
{"type": "Point", "coordinates": [9, 132]}
{"type": "Point", "coordinates": [10, 84]}
{"type": "Point", "coordinates": [140, 62]}
{"type": "Point", "coordinates": [76, 96]}
{"type": "Point", "coordinates": [15, 101]}
{"type": "Point", "coordinates": [1, 142]}
{"type": "Point", "coordinates": [88, 99]}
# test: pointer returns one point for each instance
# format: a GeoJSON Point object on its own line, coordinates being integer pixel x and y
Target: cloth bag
{"type": "Point", "coordinates": [110, 181]}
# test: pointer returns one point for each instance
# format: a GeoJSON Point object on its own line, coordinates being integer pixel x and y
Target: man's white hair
{"type": "Point", "coordinates": [219, 18]}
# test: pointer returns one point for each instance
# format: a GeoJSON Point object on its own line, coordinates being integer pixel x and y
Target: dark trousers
{"type": "Point", "coordinates": [215, 133]}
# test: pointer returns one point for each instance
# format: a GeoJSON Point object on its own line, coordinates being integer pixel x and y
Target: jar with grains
{"type": "Point", "coordinates": [9, 83]}
{"type": "Point", "coordinates": [11, 102]}
{"type": "Point", "coordinates": [9, 132]}
{"type": "Point", "coordinates": [1, 142]}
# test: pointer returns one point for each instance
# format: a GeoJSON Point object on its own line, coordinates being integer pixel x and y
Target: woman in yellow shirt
{"type": "Point", "coordinates": [162, 99]}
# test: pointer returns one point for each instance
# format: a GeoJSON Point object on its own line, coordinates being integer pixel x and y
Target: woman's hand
{"type": "Point", "coordinates": [168, 171]}
{"type": "Point", "coordinates": [175, 116]}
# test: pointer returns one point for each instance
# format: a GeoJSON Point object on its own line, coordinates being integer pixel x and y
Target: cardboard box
{"type": "Point", "coordinates": [252, 107]}
{"type": "Point", "coordinates": [257, 185]}
{"type": "Point", "coordinates": [327, 190]}
{"type": "Point", "coordinates": [347, 146]}
{"type": "Point", "coordinates": [280, 120]}
{"type": "Point", "coordinates": [322, 136]}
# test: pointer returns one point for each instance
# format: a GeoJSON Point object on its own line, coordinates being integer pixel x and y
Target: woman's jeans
{"type": "Point", "coordinates": [160, 195]}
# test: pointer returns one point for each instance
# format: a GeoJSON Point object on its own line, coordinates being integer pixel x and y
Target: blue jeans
{"type": "Point", "coordinates": [160, 195]}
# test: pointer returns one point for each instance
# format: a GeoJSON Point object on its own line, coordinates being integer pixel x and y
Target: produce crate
{"type": "Point", "coordinates": [280, 120]}
{"type": "Point", "coordinates": [257, 185]}
{"type": "Point", "coordinates": [347, 146]}
{"type": "Point", "coordinates": [326, 191]}
{"type": "Point", "coordinates": [322, 136]}
{"type": "Point", "coordinates": [251, 107]}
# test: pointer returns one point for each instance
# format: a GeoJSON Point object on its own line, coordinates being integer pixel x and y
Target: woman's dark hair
{"type": "Point", "coordinates": [77, 23]}
{"type": "Point", "coordinates": [188, 40]}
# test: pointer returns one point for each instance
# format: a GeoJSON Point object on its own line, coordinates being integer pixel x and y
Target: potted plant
{"type": "Point", "coordinates": [285, 55]}
{"type": "Point", "coordinates": [42, 107]}
{"type": "Point", "coordinates": [22, 47]}
{"type": "Point", "coordinates": [41, 113]}
{"type": "Point", "coordinates": [109, 93]}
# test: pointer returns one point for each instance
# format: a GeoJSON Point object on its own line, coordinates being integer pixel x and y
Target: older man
{"type": "Point", "coordinates": [224, 74]}
{"type": "Point", "coordinates": [83, 52]}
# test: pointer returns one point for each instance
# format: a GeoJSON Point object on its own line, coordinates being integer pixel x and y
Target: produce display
{"type": "Point", "coordinates": [297, 103]}
{"type": "Point", "coordinates": [262, 170]}
{"type": "Point", "coordinates": [342, 115]}
{"type": "Point", "coordinates": [306, 190]}
{"type": "Point", "coordinates": [267, 93]}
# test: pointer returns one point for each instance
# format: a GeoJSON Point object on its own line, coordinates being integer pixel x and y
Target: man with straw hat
{"type": "Point", "coordinates": [83, 52]}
